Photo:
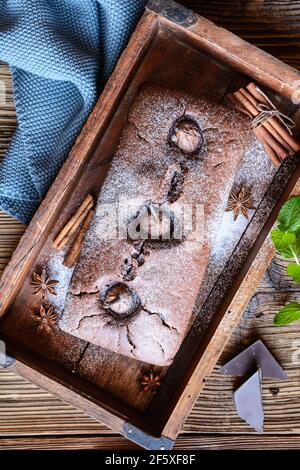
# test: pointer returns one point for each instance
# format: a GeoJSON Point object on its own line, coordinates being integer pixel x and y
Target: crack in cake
{"type": "Point", "coordinates": [135, 295]}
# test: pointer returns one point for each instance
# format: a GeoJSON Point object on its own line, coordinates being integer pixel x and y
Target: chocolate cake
{"type": "Point", "coordinates": [133, 291]}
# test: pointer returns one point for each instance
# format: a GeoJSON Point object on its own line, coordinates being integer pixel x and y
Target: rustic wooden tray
{"type": "Point", "coordinates": [176, 48]}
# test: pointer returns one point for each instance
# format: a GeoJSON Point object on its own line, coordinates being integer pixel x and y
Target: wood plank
{"type": "Point", "coordinates": [25, 409]}
{"type": "Point", "coordinates": [231, 50]}
{"type": "Point", "coordinates": [10, 229]}
{"type": "Point", "coordinates": [8, 121]}
{"type": "Point", "coordinates": [15, 326]}
{"type": "Point", "coordinates": [271, 25]}
{"type": "Point", "coordinates": [184, 442]}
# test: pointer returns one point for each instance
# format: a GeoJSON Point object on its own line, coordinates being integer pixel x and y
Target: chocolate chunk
{"type": "Point", "coordinates": [176, 186]}
{"type": "Point", "coordinates": [255, 356]}
{"type": "Point", "coordinates": [129, 269]}
{"type": "Point", "coordinates": [140, 260]}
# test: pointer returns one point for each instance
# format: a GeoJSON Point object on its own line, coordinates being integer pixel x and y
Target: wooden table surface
{"type": "Point", "coordinates": [31, 418]}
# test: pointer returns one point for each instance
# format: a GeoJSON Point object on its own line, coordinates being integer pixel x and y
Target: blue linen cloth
{"type": "Point", "coordinates": [60, 53]}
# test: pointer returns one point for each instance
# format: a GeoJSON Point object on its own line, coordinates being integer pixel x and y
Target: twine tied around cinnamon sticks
{"type": "Point", "coordinates": [271, 127]}
{"type": "Point", "coordinates": [268, 111]}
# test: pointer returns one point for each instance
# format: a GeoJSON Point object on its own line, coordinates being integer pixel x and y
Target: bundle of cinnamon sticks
{"type": "Point", "coordinates": [271, 127]}
{"type": "Point", "coordinates": [76, 229]}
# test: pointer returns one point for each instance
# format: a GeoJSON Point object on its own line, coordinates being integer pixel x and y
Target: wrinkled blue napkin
{"type": "Point", "coordinates": [60, 53]}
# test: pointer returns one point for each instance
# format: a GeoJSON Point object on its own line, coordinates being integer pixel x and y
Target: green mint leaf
{"type": "Point", "coordinates": [288, 314]}
{"type": "Point", "coordinates": [283, 242]}
{"type": "Point", "coordinates": [293, 270]}
{"type": "Point", "coordinates": [289, 215]}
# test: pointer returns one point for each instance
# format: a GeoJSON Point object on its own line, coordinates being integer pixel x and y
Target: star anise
{"type": "Point", "coordinates": [240, 202]}
{"type": "Point", "coordinates": [46, 318]}
{"type": "Point", "coordinates": [43, 283]}
{"type": "Point", "coordinates": [151, 382]}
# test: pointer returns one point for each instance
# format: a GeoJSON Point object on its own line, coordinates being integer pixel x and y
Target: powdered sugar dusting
{"type": "Point", "coordinates": [169, 279]}
{"type": "Point", "coordinates": [256, 173]}
{"type": "Point", "coordinates": [63, 275]}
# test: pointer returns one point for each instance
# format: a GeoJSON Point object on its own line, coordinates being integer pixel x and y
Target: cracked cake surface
{"type": "Point", "coordinates": [136, 297]}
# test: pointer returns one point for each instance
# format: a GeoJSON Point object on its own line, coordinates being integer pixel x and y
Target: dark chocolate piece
{"type": "Point", "coordinates": [255, 356]}
{"type": "Point", "coordinates": [248, 402]}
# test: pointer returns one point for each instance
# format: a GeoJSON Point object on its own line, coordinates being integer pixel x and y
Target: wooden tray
{"type": "Point", "coordinates": [176, 48]}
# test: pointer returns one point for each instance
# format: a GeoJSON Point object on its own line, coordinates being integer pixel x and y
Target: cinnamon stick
{"type": "Point", "coordinates": [74, 227]}
{"type": "Point", "coordinates": [268, 123]}
{"type": "Point", "coordinates": [251, 87]}
{"type": "Point", "coordinates": [269, 150]}
{"type": "Point", "coordinates": [237, 105]}
{"type": "Point", "coordinates": [65, 232]}
{"type": "Point", "coordinates": [262, 130]}
{"type": "Point", "coordinates": [74, 252]}
{"type": "Point", "coordinates": [272, 155]}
